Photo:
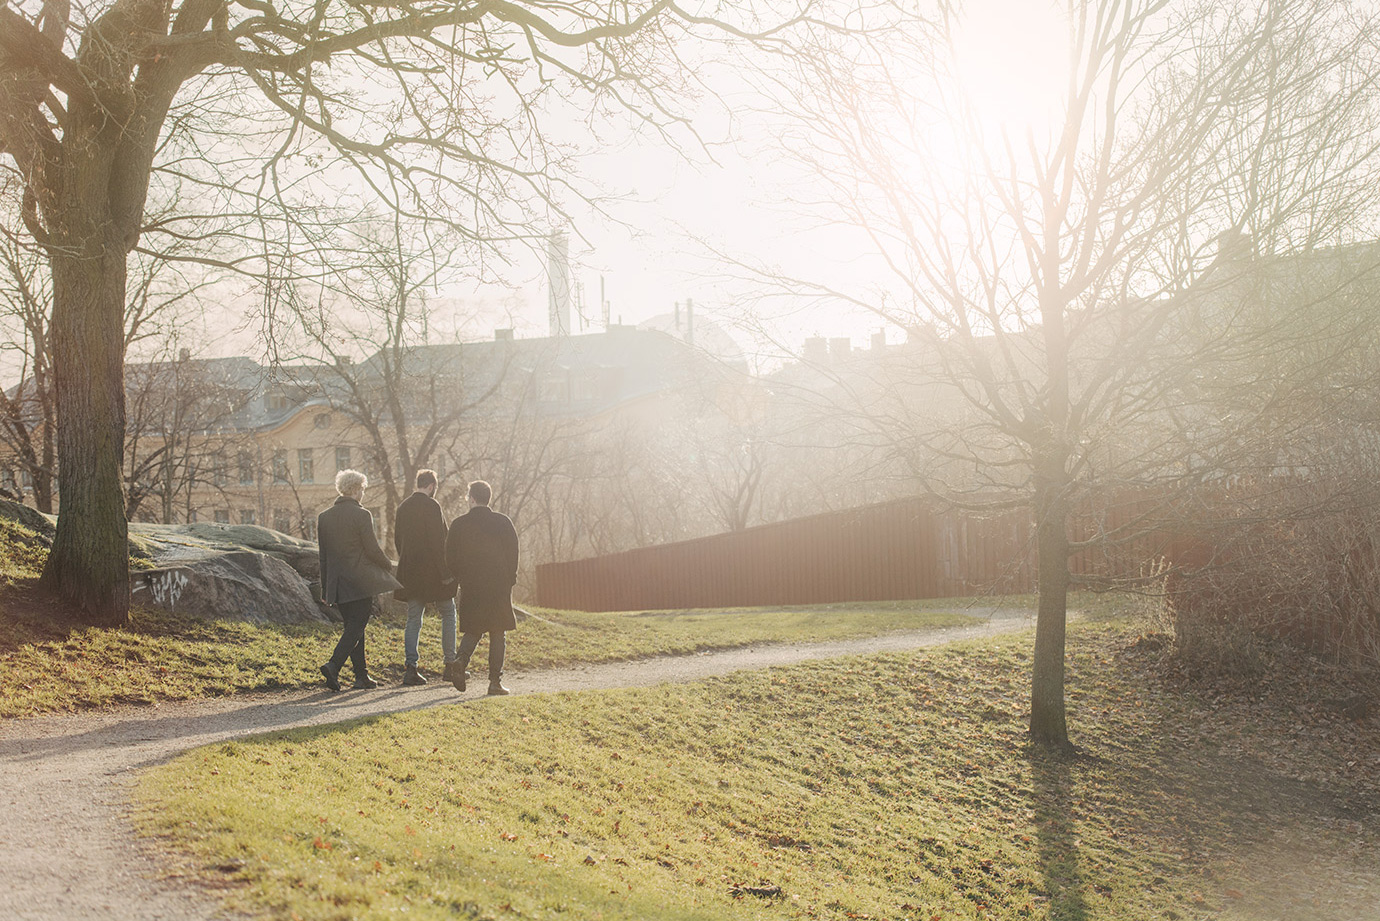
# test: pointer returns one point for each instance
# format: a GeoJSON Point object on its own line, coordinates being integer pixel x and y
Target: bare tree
{"type": "Point", "coordinates": [409, 397]}
{"type": "Point", "coordinates": [132, 122]}
{"type": "Point", "coordinates": [28, 412]}
{"type": "Point", "coordinates": [161, 301]}
{"type": "Point", "coordinates": [181, 416]}
{"type": "Point", "coordinates": [1056, 279]}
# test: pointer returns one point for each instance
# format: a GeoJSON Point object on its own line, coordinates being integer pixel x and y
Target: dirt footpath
{"type": "Point", "coordinates": [67, 850]}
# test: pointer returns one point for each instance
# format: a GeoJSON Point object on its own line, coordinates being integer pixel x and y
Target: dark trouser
{"type": "Point", "coordinates": [497, 646]}
{"type": "Point", "coordinates": [356, 615]}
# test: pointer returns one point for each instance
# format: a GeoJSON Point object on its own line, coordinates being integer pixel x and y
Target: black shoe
{"type": "Point", "coordinates": [413, 678]}
{"type": "Point", "coordinates": [496, 689]}
{"type": "Point", "coordinates": [365, 683]}
{"type": "Point", "coordinates": [332, 676]}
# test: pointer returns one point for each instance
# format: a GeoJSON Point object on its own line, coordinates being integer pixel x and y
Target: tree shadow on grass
{"type": "Point", "coordinates": [1056, 834]}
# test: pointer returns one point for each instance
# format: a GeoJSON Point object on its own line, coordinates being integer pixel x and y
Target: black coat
{"type": "Point", "coordinates": [419, 535]}
{"type": "Point", "coordinates": [482, 550]}
{"type": "Point", "coordinates": [353, 565]}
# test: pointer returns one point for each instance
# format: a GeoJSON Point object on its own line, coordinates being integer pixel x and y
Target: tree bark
{"type": "Point", "coordinates": [89, 563]}
{"type": "Point", "coordinates": [1048, 723]}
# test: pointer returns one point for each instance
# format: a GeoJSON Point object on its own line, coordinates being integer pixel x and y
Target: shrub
{"type": "Point", "coordinates": [1299, 560]}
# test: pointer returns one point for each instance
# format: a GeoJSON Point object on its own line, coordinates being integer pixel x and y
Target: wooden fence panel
{"type": "Point", "coordinates": [906, 549]}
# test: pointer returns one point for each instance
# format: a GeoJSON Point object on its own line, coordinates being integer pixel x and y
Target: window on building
{"type": "Point", "coordinates": [554, 387]}
{"type": "Point", "coordinates": [191, 516]}
{"type": "Point", "coordinates": [276, 399]}
{"type": "Point", "coordinates": [587, 385]}
{"type": "Point", "coordinates": [222, 516]}
{"type": "Point", "coordinates": [246, 516]}
{"type": "Point", "coordinates": [309, 528]}
{"type": "Point", "coordinates": [322, 420]}
{"type": "Point", "coordinates": [342, 458]}
{"type": "Point", "coordinates": [305, 467]}
{"type": "Point", "coordinates": [8, 483]}
{"type": "Point", "coordinates": [246, 464]}
{"type": "Point", "coordinates": [219, 469]}
{"type": "Point", "coordinates": [280, 466]}
{"type": "Point", "coordinates": [26, 478]}
{"type": "Point", "coordinates": [282, 520]}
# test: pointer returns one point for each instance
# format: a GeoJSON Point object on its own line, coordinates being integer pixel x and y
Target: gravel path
{"type": "Point", "coordinates": [67, 850]}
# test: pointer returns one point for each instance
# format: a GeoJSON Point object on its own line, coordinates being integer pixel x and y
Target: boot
{"type": "Point", "coordinates": [365, 683]}
{"type": "Point", "coordinates": [448, 672]}
{"type": "Point", "coordinates": [496, 689]}
{"type": "Point", "coordinates": [413, 678]}
{"type": "Point", "coordinates": [458, 675]}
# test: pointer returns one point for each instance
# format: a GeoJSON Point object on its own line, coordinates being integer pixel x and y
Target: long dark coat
{"type": "Point", "coordinates": [482, 549]}
{"type": "Point", "coordinates": [353, 565]}
{"type": "Point", "coordinates": [419, 535]}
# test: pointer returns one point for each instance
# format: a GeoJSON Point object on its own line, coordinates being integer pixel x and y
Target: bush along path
{"type": "Point", "coordinates": [67, 848]}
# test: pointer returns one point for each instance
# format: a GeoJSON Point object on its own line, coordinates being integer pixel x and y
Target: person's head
{"type": "Point", "coordinates": [351, 483]}
{"type": "Point", "coordinates": [480, 493]}
{"type": "Point", "coordinates": [426, 481]}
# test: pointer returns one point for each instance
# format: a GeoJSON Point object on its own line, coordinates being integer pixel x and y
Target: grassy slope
{"type": "Point", "coordinates": [891, 787]}
{"type": "Point", "coordinates": [46, 665]}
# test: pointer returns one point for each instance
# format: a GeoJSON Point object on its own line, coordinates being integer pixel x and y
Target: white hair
{"type": "Point", "coordinates": [351, 483]}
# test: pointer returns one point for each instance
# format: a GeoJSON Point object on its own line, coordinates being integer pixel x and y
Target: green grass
{"type": "Point", "coordinates": [47, 665]}
{"type": "Point", "coordinates": [21, 553]}
{"type": "Point", "coordinates": [896, 786]}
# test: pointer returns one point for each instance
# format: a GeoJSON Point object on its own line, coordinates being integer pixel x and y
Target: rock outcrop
{"type": "Point", "coordinates": [240, 572]}
{"type": "Point", "coordinates": [239, 585]}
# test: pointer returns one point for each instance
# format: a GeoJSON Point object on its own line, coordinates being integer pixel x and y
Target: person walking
{"type": "Point", "coordinates": [354, 569]}
{"type": "Point", "coordinates": [482, 550]}
{"type": "Point", "coordinates": [419, 536]}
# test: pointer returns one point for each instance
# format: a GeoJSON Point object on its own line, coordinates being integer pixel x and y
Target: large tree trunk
{"type": "Point", "coordinates": [89, 563]}
{"type": "Point", "coordinates": [1048, 724]}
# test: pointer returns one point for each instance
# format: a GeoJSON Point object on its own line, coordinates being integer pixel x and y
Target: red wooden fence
{"type": "Point", "coordinates": [909, 548]}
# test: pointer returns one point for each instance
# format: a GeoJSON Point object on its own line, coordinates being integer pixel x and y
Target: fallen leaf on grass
{"type": "Point", "coordinates": [762, 892]}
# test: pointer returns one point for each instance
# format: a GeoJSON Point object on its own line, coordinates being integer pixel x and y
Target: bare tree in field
{"type": "Point", "coordinates": [407, 396]}
{"type": "Point", "coordinates": [1068, 283]}
{"type": "Point", "coordinates": [28, 414]}
{"type": "Point", "coordinates": [181, 414]}
{"type": "Point", "coordinates": [266, 122]}
{"type": "Point", "coordinates": [160, 301]}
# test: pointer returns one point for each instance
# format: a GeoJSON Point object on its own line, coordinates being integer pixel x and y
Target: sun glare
{"type": "Point", "coordinates": [1011, 60]}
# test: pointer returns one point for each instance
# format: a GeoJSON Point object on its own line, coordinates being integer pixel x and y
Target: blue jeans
{"type": "Point", "coordinates": [414, 629]}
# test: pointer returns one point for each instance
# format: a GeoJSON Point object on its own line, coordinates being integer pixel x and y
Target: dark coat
{"type": "Point", "coordinates": [353, 565]}
{"type": "Point", "coordinates": [482, 549]}
{"type": "Point", "coordinates": [419, 534]}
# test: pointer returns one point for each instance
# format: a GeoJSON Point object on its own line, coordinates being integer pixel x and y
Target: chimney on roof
{"type": "Point", "coordinates": [1234, 245]}
{"type": "Point", "coordinates": [184, 354]}
{"type": "Point", "coordinates": [503, 335]}
{"type": "Point", "coordinates": [689, 322]}
{"type": "Point", "coordinates": [558, 283]}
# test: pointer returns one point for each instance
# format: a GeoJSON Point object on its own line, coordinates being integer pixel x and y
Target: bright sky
{"type": "Point", "coordinates": [1009, 54]}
